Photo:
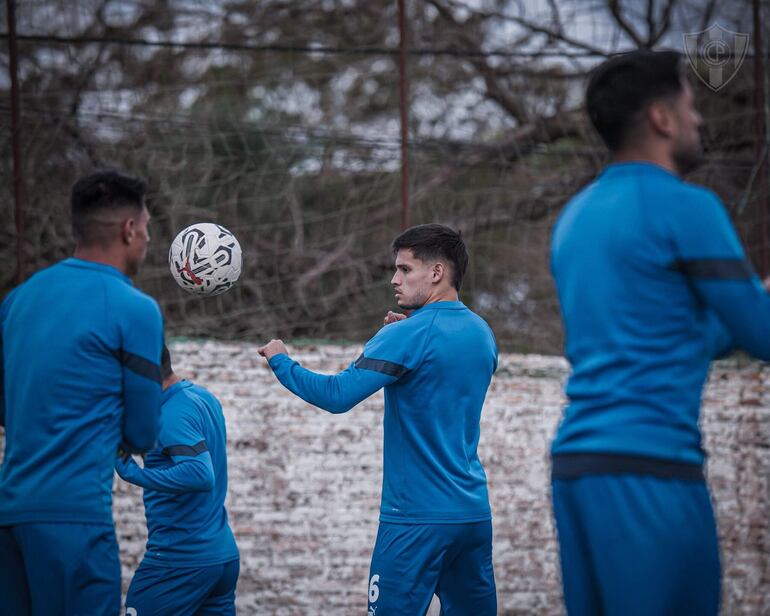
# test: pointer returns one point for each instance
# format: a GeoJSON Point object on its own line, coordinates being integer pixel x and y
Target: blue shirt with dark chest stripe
{"type": "Point", "coordinates": [435, 368]}
{"type": "Point", "coordinates": [185, 482]}
{"type": "Point", "coordinates": [653, 284]}
{"type": "Point", "coordinates": [81, 350]}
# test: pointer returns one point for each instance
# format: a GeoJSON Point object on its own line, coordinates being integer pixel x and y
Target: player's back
{"type": "Point", "coordinates": [62, 333]}
{"type": "Point", "coordinates": [432, 471]}
{"type": "Point", "coordinates": [191, 527]}
{"type": "Point", "coordinates": [636, 334]}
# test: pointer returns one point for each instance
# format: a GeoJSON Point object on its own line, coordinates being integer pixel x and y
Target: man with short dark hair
{"type": "Point", "coordinates": [191, 563]}
{"type": "Point", "coordinates": [653, 284]}
{"type": "Point", "coordinates": [81, 349]}
{"type": "Point", "coordinates": [435, 533]}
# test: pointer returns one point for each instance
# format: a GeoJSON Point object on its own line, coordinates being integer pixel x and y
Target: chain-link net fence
{"type": "Point", "coordinates": [295, 146]}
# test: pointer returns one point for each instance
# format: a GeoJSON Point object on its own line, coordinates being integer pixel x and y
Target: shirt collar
{"type": "Point", "coordinates": [96, 267]}
{"type": "Point", "coordinates": [174, 389]}
{"type": "Point", "coordinates": [636, 167]}
{"type": "Point", "coordinates": [446, 305]}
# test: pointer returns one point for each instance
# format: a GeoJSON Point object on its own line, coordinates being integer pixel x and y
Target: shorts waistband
{"type": "Point", "coordinates": [573, 465]}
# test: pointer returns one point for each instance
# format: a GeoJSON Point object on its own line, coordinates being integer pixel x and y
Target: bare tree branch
{"type": "Point", "coordinates": [522, 142]}
{"type": "Point", "coordinates": [321, 266]}
{"type": "Point", "coordinates": [708, 14]}
{"type": "Point", "coordinates": [556, 33]}
{"type": "Point", "coordinates": [494, 90]}
{"type": "Point", "coordinates": [556, 16]}
{"type": "Point", "coordinates": [650, 22]}
{"type": "Point", "coordinates": [665, 22]}
{"type": "Point", "coordinates": [617, 13]}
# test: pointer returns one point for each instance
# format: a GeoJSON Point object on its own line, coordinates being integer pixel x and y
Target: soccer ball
{"type": "Point", "coordinates": [205, 258]}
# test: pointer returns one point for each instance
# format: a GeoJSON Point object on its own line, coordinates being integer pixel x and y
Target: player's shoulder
{"type": "Point", "coordinates": [479, 320]}
{"type": "Point", "coordinates": [688, 201]}
{"type": "Point", "coordinates": [128, 292]}
{"type": "Point", "coordinates": [133, 303]}
{"type": "Point", "coordinates": [40, 277]}
{"type": "Point", "coordinates": [201, 393]}
{"type": "Point", "coordinates": [205, 401]}
{"type": "Point", "coordinates": [388, 335]}
{"type": "Point", "coordinates": [699, 193]}
{"type": "Point", "coordinates": [475, 328]}
{"type": "Point", "coordinates": [399, 342]}
{"type": "Point", "coordinates": [116, 286]}
{"type": "Point", "coordinates": [9, 297]}
{"type": "Point", "coordinates": [185, 399]}
{"type": "Point", "coordinates": [43, 278]}
{"type": "Point", "coordinates": [574, 205]}
{"type": "Point", "coordinates": [202, 407]}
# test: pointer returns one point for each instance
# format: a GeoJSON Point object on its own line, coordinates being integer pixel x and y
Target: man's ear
{"type": "Point", "coordinates": [438, 272]}
{"type": "Point", "coordinates": [128, 230]}
{"type": "Point", "coordinates": [661, 118]}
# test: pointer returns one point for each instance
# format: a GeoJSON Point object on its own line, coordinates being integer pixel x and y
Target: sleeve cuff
{"type": "Point", "coordinates": [277, 359]}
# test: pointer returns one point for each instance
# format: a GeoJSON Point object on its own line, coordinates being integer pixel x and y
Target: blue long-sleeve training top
{"type": "Point", "coordinates": [185, 482]}
{"type": "Point", "coordinates": [81, 351]}
{"type": "Point", "coordinates": [653, 284]}
{"type": "Point", "coordinates": [435, 367]}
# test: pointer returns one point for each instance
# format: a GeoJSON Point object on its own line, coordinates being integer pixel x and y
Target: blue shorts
{"type": "Point", "coordinates": [59, 568]}
{"type": "Point", "coordinates": [411, 562]}
{"type": "Point", "coordinates": [637, 545]}
{"type": "Point", "coordinates": [159, 590]}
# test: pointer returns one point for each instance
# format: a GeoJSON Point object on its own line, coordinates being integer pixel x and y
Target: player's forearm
{"type": "Point", "coordinates": [189, 476]}
{"type": "Point", "coordinates": [743, 307]}
{"type": "Point", "coordinates": [719, 338]}
{"type": "Point", "coordinates": [333, 393]}
{"type": "Point", "coordinates": [142, 413]}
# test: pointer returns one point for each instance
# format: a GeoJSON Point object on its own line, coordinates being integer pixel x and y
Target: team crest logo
{"type": "Point", "coordinates": [716, 54]}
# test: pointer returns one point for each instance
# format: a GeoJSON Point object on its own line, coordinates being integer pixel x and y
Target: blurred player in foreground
{"type": "Point", "coordinates": [435, 533]}
{"type": "Point", "coordinates": [81, 351]}
{"type": "Point", "coordinates": [653, 284]}
{"type": "Point", "coordinates": [191, 564]}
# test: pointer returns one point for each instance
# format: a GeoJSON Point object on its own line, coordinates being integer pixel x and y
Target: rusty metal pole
{"type": "Point", "coordinates": [18, 184]}
{"type": "Point", "coordinates": [762, 141]}
{"type": "Point", "coordinates": [403, 106]}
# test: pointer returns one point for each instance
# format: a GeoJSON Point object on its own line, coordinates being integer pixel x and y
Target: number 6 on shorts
{"type": "Point", "coordinates": [374, 590]}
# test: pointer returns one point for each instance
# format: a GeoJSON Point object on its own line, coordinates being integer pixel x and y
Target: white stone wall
{"type": "Point", "coordinates": [304, 484]}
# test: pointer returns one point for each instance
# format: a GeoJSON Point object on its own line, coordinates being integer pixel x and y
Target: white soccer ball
{"type": "Point", "coordinates": [205, 258]}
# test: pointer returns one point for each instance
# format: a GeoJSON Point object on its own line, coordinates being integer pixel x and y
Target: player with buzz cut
{"type": "Point", "coordinates": [80, 373]}
{"type": "Point", "coordinates": [435, 533]}
{"type": "Point", "coordinates": [653, 284]}
{"type": "Point", "coordinates": [191, 563]}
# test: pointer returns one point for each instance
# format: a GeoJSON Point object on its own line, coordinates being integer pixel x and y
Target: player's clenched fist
{"type": "Point", "coordinates": [274, 347]}
{"type": "Point", "coordinates": [392, 317]}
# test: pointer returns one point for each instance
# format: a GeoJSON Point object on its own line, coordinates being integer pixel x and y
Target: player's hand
{"type": "Point", "coordinates": [274, 347]}
{"type": "Point", "coordinates": [766, 283]}
{"type": "Point", "coordinates": [126, 467]}
{"type": "Point", "coordinates": [392, 317]}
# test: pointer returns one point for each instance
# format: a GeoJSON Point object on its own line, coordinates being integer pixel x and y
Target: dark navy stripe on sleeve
{"type": "Point", "coordinates": [139, 365]}
{"type": "Point", "coordinates": [718, 269]}
{"type": "Point", "coordinates": [380, 365]}
{"type": "Point", "coordinates": [185, 450]}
